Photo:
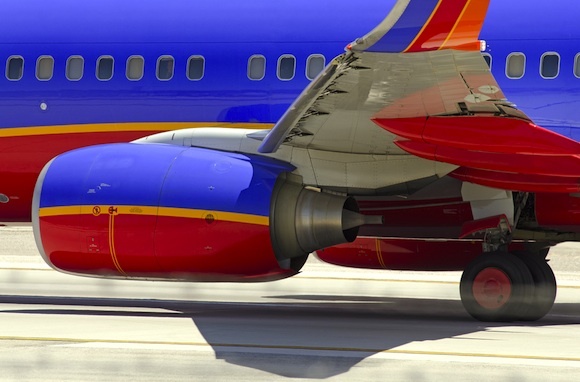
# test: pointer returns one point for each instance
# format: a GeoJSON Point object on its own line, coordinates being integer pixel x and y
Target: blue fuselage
{"type": "Point", "coordinates": [225, 35]}
{"type": "Point", "coordinates": [79, 73]}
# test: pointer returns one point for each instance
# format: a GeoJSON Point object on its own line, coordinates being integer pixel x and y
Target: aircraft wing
{"type": "Point", "coordinates": [418, 84]}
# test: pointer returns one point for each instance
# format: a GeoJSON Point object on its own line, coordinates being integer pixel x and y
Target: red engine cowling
{"type": "Point", "coordinates": [167, 212]}
{"type": "Point", "coordinates": [406, 254]}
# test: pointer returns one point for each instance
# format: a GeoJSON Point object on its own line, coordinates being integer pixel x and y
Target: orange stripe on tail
{"type": "Point", "coordinates": [454, 24]}
{"type": "Point", "coordinates": [465, 34]}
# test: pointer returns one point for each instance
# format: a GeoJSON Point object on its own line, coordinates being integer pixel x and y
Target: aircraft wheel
{"type": "Point", "coordinates": [497, 287]}
{"type": "Point", "coordinates": [545, 286]}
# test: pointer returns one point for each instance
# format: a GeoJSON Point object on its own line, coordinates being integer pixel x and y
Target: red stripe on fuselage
{"type": "Point", "coordinates": [22, 158]}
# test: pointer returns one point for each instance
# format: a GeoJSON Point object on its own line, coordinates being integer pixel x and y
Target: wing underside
{"type": "Point", "coordinates": [418, 85]}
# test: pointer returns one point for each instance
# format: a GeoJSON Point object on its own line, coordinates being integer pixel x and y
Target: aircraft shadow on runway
{"type": "Point", "coordinates": [328, 334]}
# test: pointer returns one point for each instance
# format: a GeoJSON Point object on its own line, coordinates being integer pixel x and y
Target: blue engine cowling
{"type": "Point", "coordinates": [169, 212]}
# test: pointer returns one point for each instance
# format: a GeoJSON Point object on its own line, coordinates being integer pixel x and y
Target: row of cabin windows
{"type": "Point", "coordinates": [549, 65]}
{"type": "Point", "coordinates": [286, 69]}
{"type": "Point", "coordinates": [105, 68]}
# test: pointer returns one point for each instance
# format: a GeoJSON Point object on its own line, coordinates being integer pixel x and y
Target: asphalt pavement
{"type": "Point", "coordinates": [326, 323]}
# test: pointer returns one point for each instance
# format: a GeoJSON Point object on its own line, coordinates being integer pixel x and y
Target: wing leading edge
{"type": "Point", "coordinates": [417, 84]}
{"type": "Point", "coordinates": [333, 113]}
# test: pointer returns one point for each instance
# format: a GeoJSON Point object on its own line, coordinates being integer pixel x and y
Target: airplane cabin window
{"type": "Point", "coordinates": [256, 67]}
{"type": "Point", "coordinates": [195, 68]}
{"type": "Point", "coordinates": [105, 66]}
{"type": "Point", "coordinates": [487, 58]}
{"type": "Point", "coordinates": [550, 65]}
{"type": "Point", "coordinates": [314, 65]}
{"type": "Point", "coordinates": [165, 66]}
{"type": "Point", "coordinates": [577, 65]}
{"type": "Point", "coordinates": [516, 65]}
{"type": "Point", "coordinates": [15, 68]}
{"type": "Point", "coordinates": [286, 67]}
{"type": "Point", "coordinates": [44, 68]}
{"type": "Point", "coordinates": [135, 68]}
{"type": "Point", "coordinates": [75, 66]}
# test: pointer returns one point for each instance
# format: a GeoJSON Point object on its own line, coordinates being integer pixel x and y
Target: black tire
{"type": "Point", "coordinates": [297, 263]}
{"type": "Point", "coordinates": [545, 286]}
{"type": "Point", "coordinates": [515, 277]}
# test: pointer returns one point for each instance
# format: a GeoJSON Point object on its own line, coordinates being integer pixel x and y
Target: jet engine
{"type": "Point", "coordinates": [165, 212]}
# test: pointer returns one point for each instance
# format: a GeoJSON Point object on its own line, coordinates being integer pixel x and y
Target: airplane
{"type": "Point", "coordinates": [420, 135]}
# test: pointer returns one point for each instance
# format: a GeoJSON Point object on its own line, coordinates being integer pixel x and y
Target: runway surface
{"type": "Point", "coordinates": [327, 323]}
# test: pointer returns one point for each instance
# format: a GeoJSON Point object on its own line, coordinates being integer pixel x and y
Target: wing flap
{"type": "Point", "coordinates": [474, 132]}
{"type": "Point", "coordinates": [343, 101]}
{"type": "Point", "coordinates": [521, 163]}
{"type": "Point", "coordinates": [419, 75]}
{"type": "Point", "coordinates": [518, 182]}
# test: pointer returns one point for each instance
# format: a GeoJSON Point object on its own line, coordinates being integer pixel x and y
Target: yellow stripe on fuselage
{"type": "Point", "coordinates": [121, 127]}
{"type": "Point", "coordinates": [155, 211]}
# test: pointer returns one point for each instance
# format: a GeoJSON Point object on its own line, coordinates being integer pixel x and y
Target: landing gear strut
{"type": "Point", "coordinates": [500, 286]}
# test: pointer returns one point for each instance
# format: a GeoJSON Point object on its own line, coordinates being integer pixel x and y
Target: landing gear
{"type": "Point", "coordinates": [504, 287]}
{"type": "Point", "coordinates": [496, 287]}
{"type": "Point", "coordinates": [544, 286]}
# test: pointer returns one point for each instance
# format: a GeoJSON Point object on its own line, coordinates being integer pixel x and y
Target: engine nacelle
{"type": "Point", "coordinates": [407, 253]}
{"type": "Point", "coordinates": [167, 212]}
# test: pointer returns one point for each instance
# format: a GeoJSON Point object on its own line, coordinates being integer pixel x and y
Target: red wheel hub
{"type": "Point", "coordinates": [492, 288]}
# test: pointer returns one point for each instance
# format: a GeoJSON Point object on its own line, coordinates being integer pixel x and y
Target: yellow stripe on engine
{"type": "Point", "coordinates": [216, 215]}
{"type": "Point", "coordinates": [155, 211]}
{"type": "Point", "coordinates": [112, 249]}
{"type": "Point", "coordinates": [379, 253]}
{"type": "Point", "coordinates": [59, 211]}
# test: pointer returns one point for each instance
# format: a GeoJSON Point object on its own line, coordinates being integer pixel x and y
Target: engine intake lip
{"type": "Point", "coordinates": [36, 215]}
